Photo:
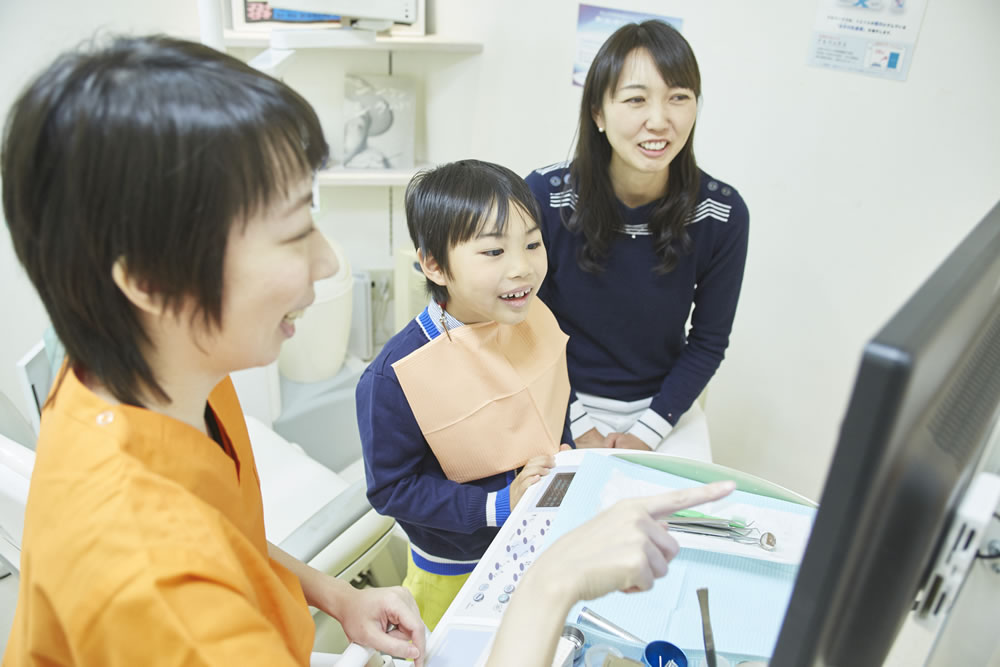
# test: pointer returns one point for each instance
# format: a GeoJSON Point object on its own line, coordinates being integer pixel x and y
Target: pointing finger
{"type": "Point", "coordinates": [665, 504]}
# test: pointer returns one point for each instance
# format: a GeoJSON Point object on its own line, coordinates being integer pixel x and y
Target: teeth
{"type": "Point", "coordinates": [294, 315]}
{"type": "Point", "coordinates": [654, 145]}
{"type": "Point", "coordinates": [515, 295]}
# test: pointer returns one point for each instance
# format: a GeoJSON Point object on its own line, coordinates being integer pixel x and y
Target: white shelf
{"type": "Point", "coordinates": [341, 177]}
{"type": "Point", "coordinates": [435, 43]}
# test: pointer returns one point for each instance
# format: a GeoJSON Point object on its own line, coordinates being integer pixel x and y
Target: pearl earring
{"type": "Point", "coordinates": [600, 129]}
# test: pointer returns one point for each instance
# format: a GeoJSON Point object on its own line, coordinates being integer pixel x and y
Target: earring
{"type": "Point", "coordinates": [600, 129]}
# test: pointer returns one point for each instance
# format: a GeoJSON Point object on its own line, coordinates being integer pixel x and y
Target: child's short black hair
{"type": "Point", "coordinates": [450, 204]}
{"type": "Point", "coordinates": [146, 150]}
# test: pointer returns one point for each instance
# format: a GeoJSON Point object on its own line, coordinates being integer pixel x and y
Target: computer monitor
{"type": "Point", "coordinates": [923, 406]}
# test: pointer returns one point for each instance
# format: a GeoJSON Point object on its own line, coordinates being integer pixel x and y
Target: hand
{"type": "Point", "coordinates": [592, 439]}
{"type": "Point", "coordinates": [532, 471]}
{"type": "Point", "coordinates": [385, 619]}
{"type": "Point", "coordinates": [627, 441]}
{"type": "Point", "coordinates": [625, 548]}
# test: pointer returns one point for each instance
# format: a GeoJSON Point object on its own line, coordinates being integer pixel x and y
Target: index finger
{"type": "Point", "coordinates": [413, 627]}
{"type": "Point", "coordinates": [665, 504]}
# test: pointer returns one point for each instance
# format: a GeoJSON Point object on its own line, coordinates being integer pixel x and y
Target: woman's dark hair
{"type": "Point", "coordinates": [146, 150]}
{"type": "Point", "coordinates": [597, 213]}
{"type": "Point", "coordinates": [450, 204]}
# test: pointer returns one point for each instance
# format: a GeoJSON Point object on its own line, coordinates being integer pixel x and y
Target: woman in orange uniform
{"type": "Point", "coordinates": [158, 195]}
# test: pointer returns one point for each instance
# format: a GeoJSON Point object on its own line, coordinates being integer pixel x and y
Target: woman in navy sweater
{"type": "Point", "coordinates": [638, 236]}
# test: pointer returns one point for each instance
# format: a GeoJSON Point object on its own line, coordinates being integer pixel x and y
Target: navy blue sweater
{"type": "Point", "coordinates": [626, 326]}
{"type": "Point", "coordinates": [449, 524]}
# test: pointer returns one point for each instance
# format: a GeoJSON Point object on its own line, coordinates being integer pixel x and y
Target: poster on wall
{"type": "Point", "coordinates": [874, 37]}
{"type": "Point", "coordinates": [593, 27]}
{"type": "Point", "coordinates": [379, 121]}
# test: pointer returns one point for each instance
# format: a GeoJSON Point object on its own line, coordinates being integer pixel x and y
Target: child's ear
{"type": "Point", "coordinates": [431, 269]}
{"type": "Point", "coordinates": [136, 291]}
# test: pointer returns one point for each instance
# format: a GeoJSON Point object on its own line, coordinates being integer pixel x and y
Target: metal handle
{"type": "Point", "coordinates": [706, 627]}
{"type": "Point", "coordinates": [588, 616]}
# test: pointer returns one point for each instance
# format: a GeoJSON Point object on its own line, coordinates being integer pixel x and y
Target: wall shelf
{"type": "Point", "coordinates": [341, 177]}
{"type": "Point", "coordinates": [435, 43]}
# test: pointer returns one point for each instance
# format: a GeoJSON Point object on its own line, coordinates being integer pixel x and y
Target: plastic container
{"type": "Point", "coordinates": [597, 654]}
{"type": "Point", "coordinates": [663, 654]}
{"type": "Point", "coordinates": [316, 351]}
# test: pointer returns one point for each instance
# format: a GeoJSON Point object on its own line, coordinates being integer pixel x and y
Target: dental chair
{"type": "Point", "coordinates": [310, 511]}
{"type": "Point", "coordinates": [16, 462]}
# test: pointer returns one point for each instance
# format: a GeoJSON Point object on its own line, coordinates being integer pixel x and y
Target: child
{"type": "Point", "coordinates": [472, 389]}
{"type": "Point", "coordinates": [157, 193]}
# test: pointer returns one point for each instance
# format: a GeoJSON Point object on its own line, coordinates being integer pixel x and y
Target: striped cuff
{"type": "Point", "coordinates": [498, 507]}
{"type": "Point", "coordinates": [579, 421]}
{"type": "Point", "coordinates": [651, 428]}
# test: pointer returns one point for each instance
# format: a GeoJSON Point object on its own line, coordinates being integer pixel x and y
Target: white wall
{"type": "Point", "coordinates": [31, 35]}
{"type": "Point", "coordinates": [857, 187]}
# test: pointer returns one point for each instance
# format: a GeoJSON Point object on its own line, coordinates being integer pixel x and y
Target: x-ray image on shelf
{"type": "Point", "coordinates": [379, 122]}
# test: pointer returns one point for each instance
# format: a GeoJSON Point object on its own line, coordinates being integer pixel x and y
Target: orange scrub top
{"type": "Point", "coordinates": [144, 544]}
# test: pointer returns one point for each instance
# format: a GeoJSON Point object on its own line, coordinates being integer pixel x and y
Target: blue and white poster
{"type": "Point", "coordinates": [595, 25]}
{"type": "Point", "coordinates": [874, 37]}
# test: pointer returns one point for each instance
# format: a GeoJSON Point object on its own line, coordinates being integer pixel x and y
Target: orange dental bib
{"type": "Point", "coordinates": [491, 397]}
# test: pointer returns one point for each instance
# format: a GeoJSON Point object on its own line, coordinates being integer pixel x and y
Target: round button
{"type": "Point", "coordinates": [503, 598]}
{"type": "Point", "coordinates": [483, 587]}
{"type": "Point", "coordinates": [713, 186]}
{"type": "Point", "coordinates": [509, 588]}
{"type": "Point", "coordinates": [477, 597]}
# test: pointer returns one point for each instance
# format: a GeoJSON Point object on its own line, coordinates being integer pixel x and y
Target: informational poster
{"type": "Point", "coordinates": [595, 25]}
{"type": "Point", "coordinates": [875, 37]}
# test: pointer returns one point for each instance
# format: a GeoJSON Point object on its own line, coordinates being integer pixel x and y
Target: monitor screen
{"type": "Point", "coordinates": [923, 405]}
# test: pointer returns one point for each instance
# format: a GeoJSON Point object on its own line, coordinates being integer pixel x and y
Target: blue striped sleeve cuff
{"type": "Point", "coordinates": [498, 507]}
{"type": "Point", "coordinates": [579, 421]}
{"type": "Point", "coordinates": [651, 428]}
